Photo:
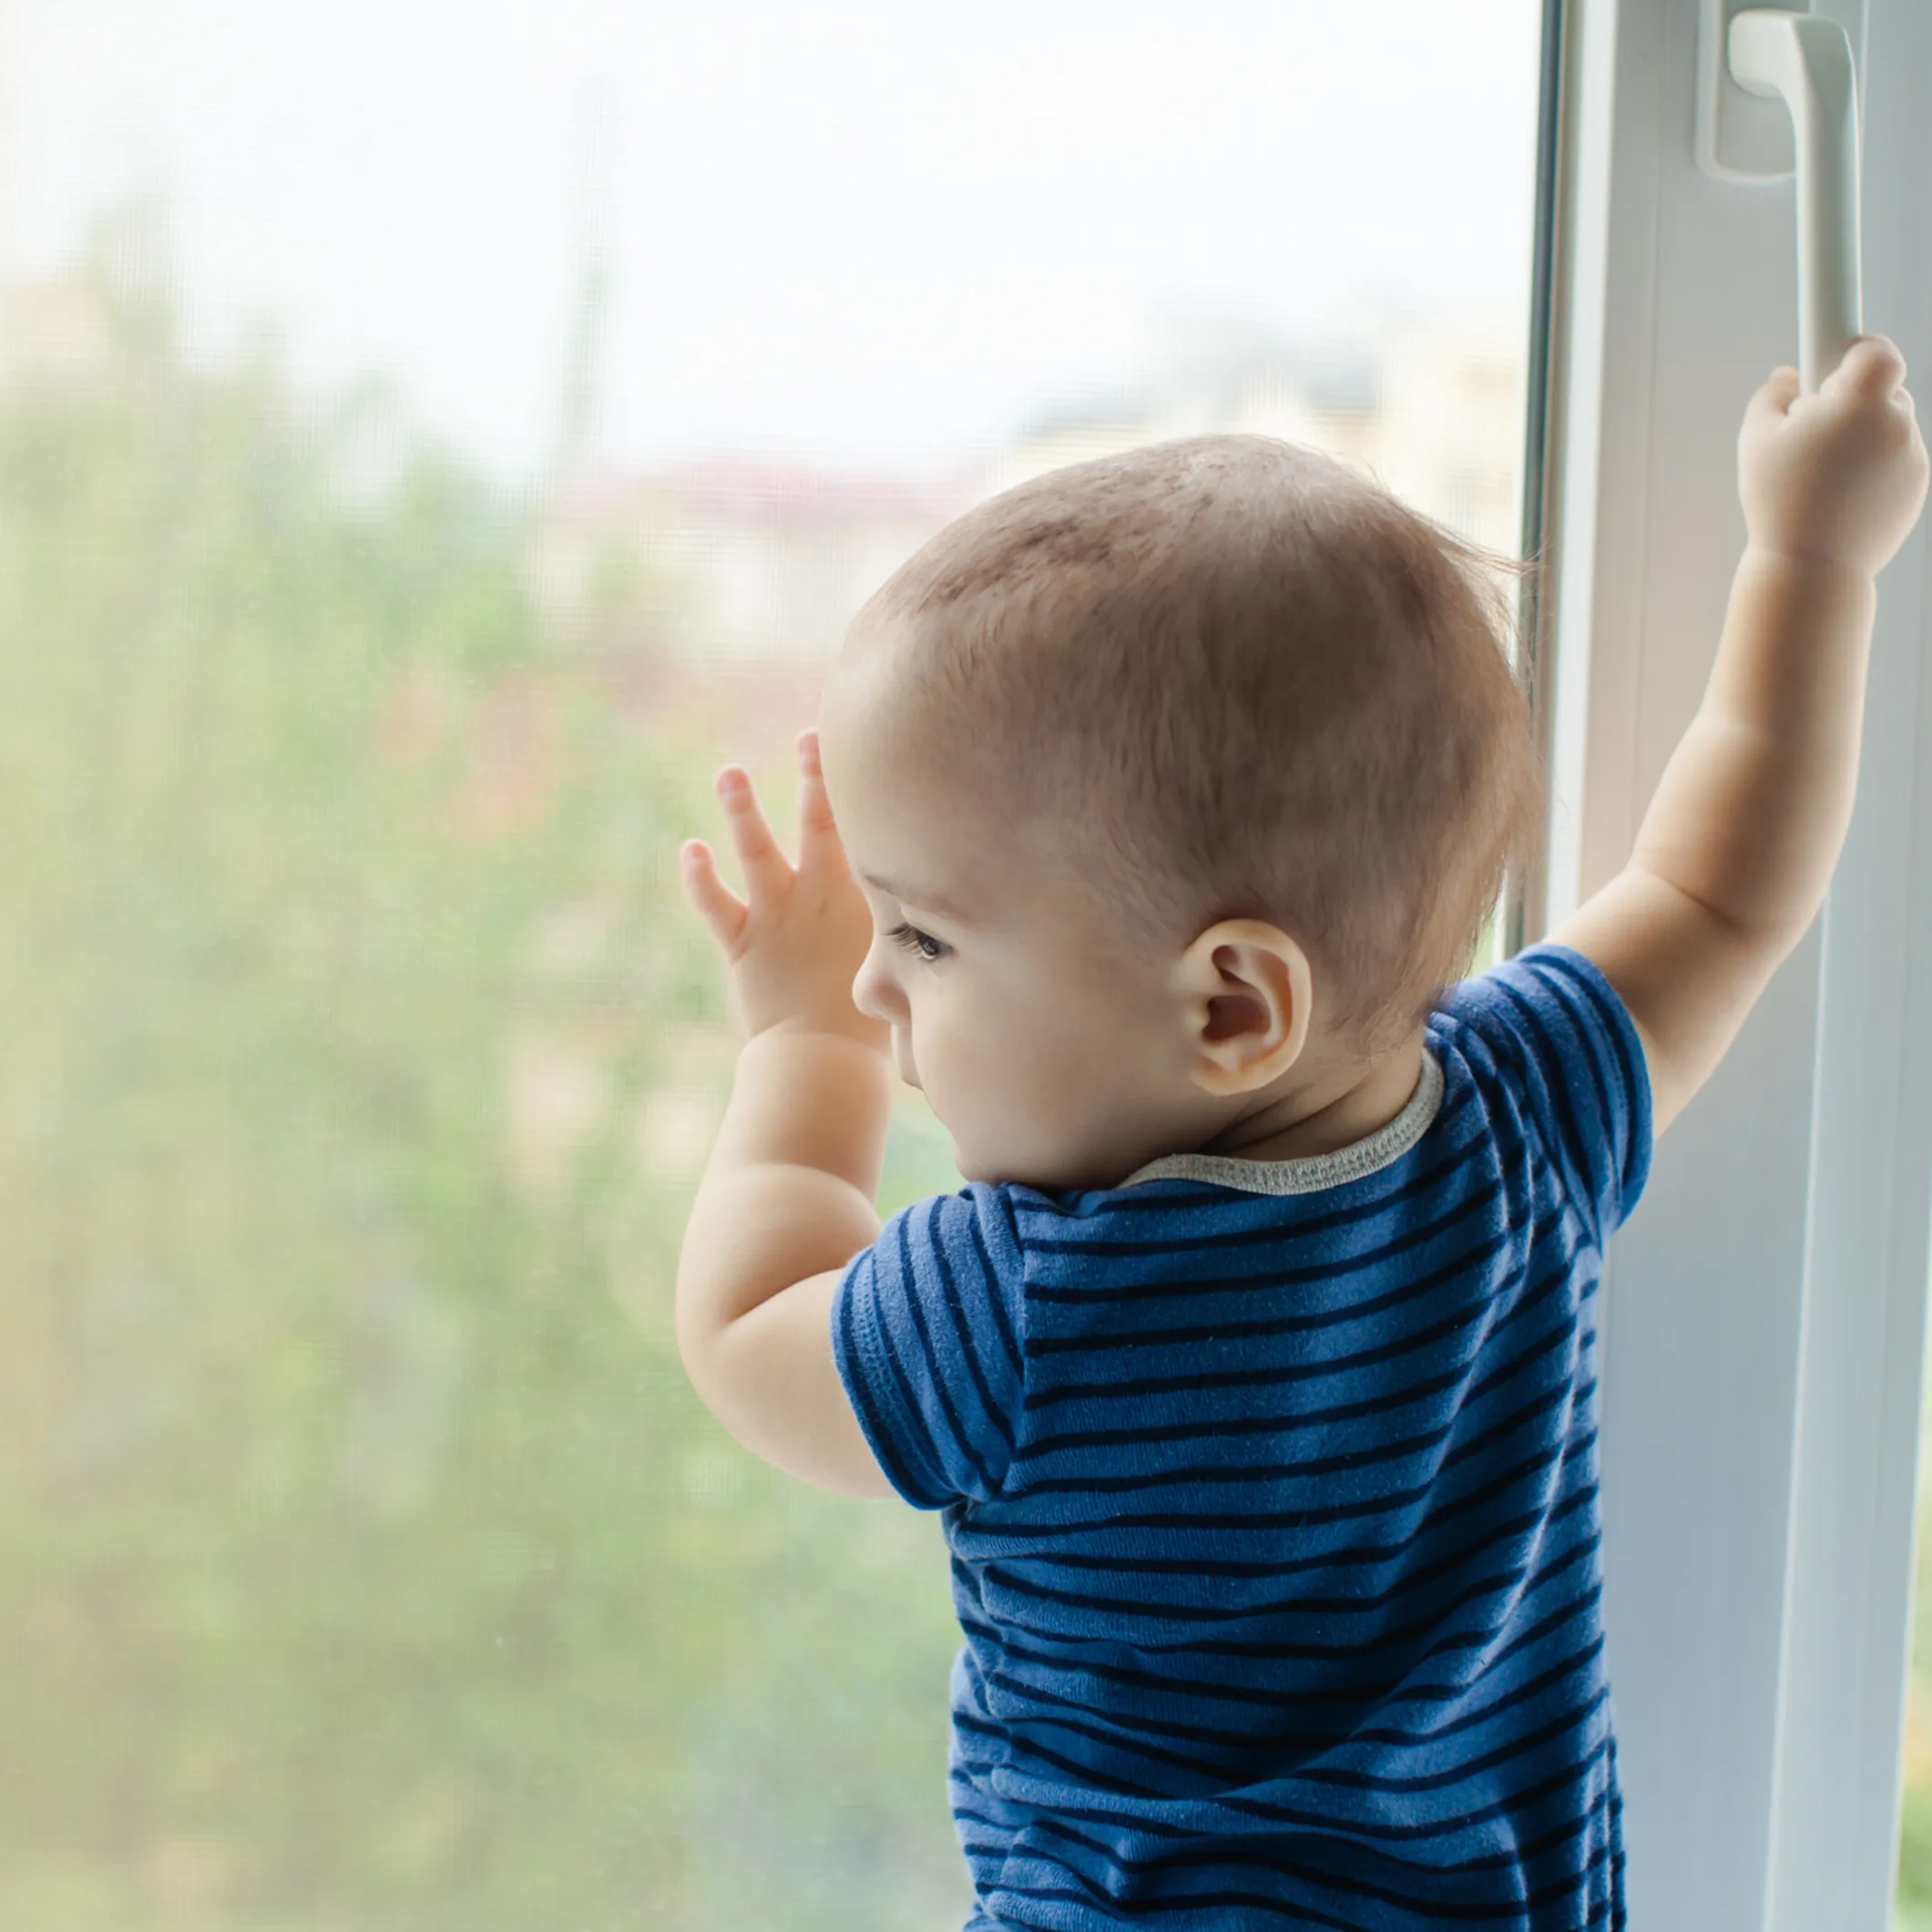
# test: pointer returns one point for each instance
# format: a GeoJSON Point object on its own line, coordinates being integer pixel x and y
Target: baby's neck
{"type": "Point", "coordinates": [1352, 1110]}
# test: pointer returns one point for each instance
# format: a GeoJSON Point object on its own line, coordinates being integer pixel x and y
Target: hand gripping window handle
{"type": "Point", "coordinates": [1771, 53]}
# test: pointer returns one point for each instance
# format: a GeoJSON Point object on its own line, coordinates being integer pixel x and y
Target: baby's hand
{"type": "Point", "coordinates": [796, 948]}
{"type": "Point", "coordinates": [1841, 474]}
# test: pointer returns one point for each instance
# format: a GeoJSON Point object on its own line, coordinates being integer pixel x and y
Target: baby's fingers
{"type": "Point", "coordinates": [767, 870]}
{"type": "Point", "coordinates": [1872, 366]}
{"type": "Point", "coordinates": [818, 835]}
{"type": "Point", "coordinates": [720, 909]}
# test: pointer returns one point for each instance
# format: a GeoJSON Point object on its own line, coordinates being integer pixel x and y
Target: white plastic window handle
{"type": "Point", "coordinates": [1809, 61]}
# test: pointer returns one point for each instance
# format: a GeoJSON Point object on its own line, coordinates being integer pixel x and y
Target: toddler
{"type": "Point", "coordinates": [1254, 1368]}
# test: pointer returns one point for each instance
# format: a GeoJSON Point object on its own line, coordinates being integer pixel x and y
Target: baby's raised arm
{"type": "Point", "coordinates": [1735, 852]}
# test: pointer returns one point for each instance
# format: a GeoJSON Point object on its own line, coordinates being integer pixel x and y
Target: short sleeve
{"type": "Point", "coordinates": [1558, 1034]}
{"type": "Point", "coordinates": [927, 1330]}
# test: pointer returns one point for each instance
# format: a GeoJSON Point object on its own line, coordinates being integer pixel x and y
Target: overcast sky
{"type": "Point", "coordinates": [863, 231]}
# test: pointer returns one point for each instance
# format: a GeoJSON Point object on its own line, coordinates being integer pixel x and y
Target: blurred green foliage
{"type": "Point", "coordinates": [369, 1563]}
{"type": "Point", "coordinates": [1914, 1911]}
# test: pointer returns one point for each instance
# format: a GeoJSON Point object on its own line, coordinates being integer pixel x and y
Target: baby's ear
{"type": "Point", "coordinates": [1245, 996]}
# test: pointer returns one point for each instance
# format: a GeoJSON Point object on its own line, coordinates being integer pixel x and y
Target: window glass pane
{"type": "Point", "coordinates": [432, 441]}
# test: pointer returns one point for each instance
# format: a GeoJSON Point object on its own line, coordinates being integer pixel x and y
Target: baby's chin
{"type": "Point", "coordinates": [969, 1168]}
{"type": "Point", "coordinates": [1003, 1175]}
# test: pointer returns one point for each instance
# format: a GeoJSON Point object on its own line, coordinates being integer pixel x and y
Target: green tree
{"type": "Point", "coordinates": [370, 1566]}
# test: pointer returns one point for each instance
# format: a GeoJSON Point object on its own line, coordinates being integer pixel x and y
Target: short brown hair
{"type": "Point", "coordinates": [1227, 677]}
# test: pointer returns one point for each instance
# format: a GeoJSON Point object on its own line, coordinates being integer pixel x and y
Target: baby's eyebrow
{"type": "Point", "coordinates": [926, 900]}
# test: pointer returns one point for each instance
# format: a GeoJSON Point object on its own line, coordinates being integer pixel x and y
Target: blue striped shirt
{"type": "Point", "coordinates": [1271, 1495]}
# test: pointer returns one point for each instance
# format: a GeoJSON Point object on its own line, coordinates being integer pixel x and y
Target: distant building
{"type": "Point", "coordinates": [1432, 408]}
{"type": "Point", "coordinates": [749, 562]}
{"type": "Point", "coordinates": [746, 559]}
{"type": "Point", "coordinates": [760, 562]}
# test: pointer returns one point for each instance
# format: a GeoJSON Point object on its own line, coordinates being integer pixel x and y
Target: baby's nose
{"type": "Point", "coordinates": [865, 994]}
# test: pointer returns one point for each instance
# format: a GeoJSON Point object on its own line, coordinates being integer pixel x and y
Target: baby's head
{"type": "Point", "coordinates": [1203, 765]}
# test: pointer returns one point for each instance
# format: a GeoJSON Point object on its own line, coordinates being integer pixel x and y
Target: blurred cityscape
{"type": "Point", "coordinates": [779, 556]}
{"type": "Point", "coordinates": [736, 575]}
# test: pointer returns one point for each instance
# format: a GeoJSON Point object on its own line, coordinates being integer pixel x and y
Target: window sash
{"type": "Point", "coordinates": [1762, 1321]}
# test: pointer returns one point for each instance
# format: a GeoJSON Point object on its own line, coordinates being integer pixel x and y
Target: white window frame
{"type": "Point", "coordinates": [1763, 1313]}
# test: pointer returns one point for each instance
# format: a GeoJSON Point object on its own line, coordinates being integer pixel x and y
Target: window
{"type": "Point", "coordinates": [428, 448]}
{"type": "Point", "coordinates": [1763, 1313]}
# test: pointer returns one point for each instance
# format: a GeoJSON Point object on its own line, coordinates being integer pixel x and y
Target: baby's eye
{"type": "Point", "coordinates": [916, 942]}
